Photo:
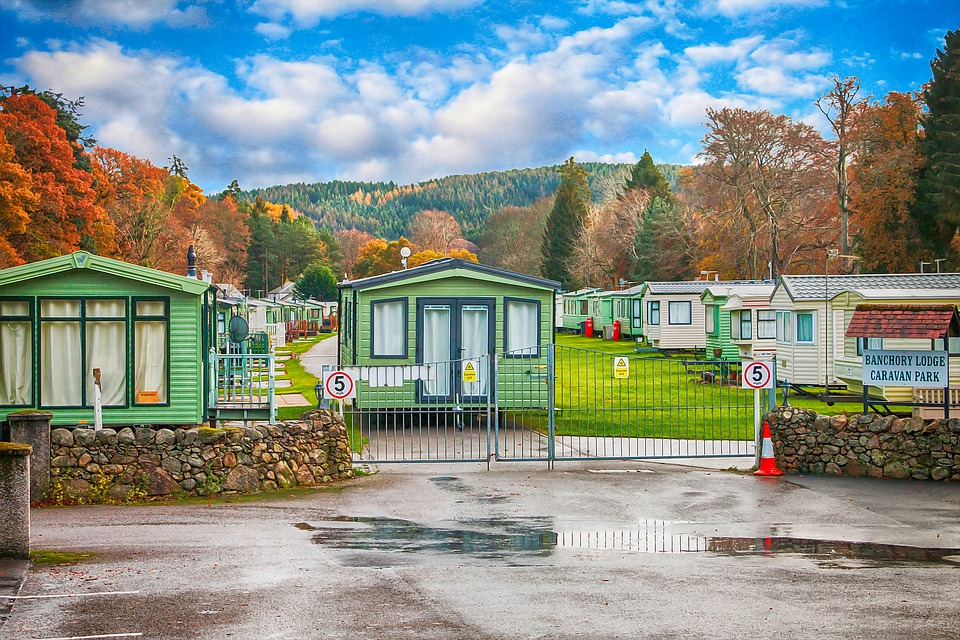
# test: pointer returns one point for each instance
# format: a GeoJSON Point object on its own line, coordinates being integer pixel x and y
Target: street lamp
{"type": "Point", "coordinates": [832, 254]}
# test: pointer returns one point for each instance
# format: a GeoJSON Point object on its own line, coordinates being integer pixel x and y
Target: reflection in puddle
{"type": "Point", "coordinates": [515, 540]}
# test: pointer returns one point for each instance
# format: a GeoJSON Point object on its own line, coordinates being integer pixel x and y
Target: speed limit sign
{"type": "Point", "coordinates": [756, 375]}
{"type": "Point", "coordinates": [340, 386]}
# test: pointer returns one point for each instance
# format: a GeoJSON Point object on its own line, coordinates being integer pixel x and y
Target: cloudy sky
{"type": "Point", "coordinates": [276, 91]}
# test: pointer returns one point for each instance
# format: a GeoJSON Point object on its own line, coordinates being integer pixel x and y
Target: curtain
{"type": "Point", "coordinates": [61, 363]}
{"type": "Point", "coordinates": [804, 327]}
{"type": "Point", "coordinates": [522, 328]}
{"type": "Point", "coordinates": [678, 313]}
{"type": "Point", "coordinates": [106, 350]}
{"type": "Point", "coordinates": [436, 349]}
{"type": "Point", "coordinates": [389, 336]}
{"type": "Point", "coordinates": [150, 367]}
{"type": "Point", "coordinates": [474, 342]}
{"type": "Point", "coordinates": [16, 372]}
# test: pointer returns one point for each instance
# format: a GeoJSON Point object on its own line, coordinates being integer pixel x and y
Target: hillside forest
{"type": "Point", "coordinates": [767, 195]}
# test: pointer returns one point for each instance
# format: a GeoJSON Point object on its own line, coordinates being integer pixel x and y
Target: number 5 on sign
{"type": "Point", "coordinates": [757, 375]}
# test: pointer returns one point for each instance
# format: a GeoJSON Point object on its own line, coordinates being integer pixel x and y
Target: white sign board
{"type": "Point", "coordinates": [883, 368]}
{"type": "Point", "coordinates": [757, 375]}
{"type": "Point", "coordinates": [340, 386]}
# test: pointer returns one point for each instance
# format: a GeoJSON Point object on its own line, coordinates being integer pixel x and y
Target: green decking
{"type": "Point", "coordinates": [167, 315]}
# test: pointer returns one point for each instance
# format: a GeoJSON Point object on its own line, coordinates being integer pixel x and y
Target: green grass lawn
{"type": "Point", "coordinates": [302, 381]}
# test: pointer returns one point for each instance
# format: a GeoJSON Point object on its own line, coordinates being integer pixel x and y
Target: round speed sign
{"type": "Point", "coordinates": [339, 386]}
{"type": "Point", "coordinates": [757, 375]}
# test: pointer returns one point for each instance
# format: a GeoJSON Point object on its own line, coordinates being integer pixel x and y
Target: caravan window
{"type": "Point", "coordinates": [389, 328]}
{"type": "Point", "coordinates": [653, 312]}
{"type": "Point", "coordinates": [784, 327]}
{"type": "Point", "coordinates": [710, 320]}
{"type": "Point", "coordinates": [766, 324]}
{"type": "Point", "coordinates": [151, 351]}
{"type": "Point", "coordinates": [678, 312]}
{"type": "Point", "coordinates": [741, 327]}
{"type": "Point", "coordinates": [16, 353]}
{"type": "Point", "coordinates": [521, 327]}
{"type": "Point", "coordinates": [805, 328]}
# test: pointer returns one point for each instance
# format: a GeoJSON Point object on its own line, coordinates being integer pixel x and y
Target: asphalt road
{"type": "Point", "coordinates": [456, 551]}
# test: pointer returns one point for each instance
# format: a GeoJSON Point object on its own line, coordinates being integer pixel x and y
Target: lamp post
{"type": "Point", "coordinates": [318, 391]}
{"type": "Point", "coordinates": [832, 254]}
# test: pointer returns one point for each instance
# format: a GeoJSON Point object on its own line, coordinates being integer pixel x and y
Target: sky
{"type": "Point", "coordinates": [279, 91]}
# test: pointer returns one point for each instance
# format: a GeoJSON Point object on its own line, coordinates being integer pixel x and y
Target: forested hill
{"type": "Point", "coordinates": [384, 208]}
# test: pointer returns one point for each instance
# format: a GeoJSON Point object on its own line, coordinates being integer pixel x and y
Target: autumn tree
{"type": "Point", "coordinates": [766, 176]}
{"type": "Point", "coordinates": [433, 229]}
{"type": "Point", "coordinates": [423, 257]}
{"type": "Point", "coordinates": [511, 235]}
{"type": "Point", "coordinates": [564, 223]}
{"type": "Point", "coordinates": [604, 252]}
{"type": "Point", "coordinates": [884, 177]}
{"type": "Point", "coordinates": [64, 216]}
{"type": "Point", "coordinates": [350, 241]}
{"type": "Point", "coordinates": [17, 199]}
{"type": "Point", "coordinates": [379, 256]}
{"type": "Point", "coordinates": [940, 177]}
{"type": "Point", "coordinates": [839, 106]}
{"type": "Point", "coordinates": [463, 254]}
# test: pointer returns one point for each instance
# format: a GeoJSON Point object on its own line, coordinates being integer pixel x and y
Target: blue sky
{"type": "Point", "coordinates": [276, 91]}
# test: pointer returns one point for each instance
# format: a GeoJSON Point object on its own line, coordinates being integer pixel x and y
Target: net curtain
{"type": "Point", "coordinates": [436, 348]}
{"type": "Point", "coordinates": [474, 334]}
{"type": "Point", "coordinates": [16, 377]}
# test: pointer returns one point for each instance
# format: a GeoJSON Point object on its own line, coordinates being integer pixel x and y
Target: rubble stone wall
{"type": "Point", "coordinates": [109, 465]}
{"type": "Point", "coordinates": [865, 445]}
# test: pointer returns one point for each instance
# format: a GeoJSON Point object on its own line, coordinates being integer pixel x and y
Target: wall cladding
{"type": "Point", "coordinates": [110, 465]}
{"type": "Point", "coordinates": [866, 445]}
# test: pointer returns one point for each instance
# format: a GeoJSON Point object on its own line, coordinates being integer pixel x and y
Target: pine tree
{"type": "Point", "coordinates": [940, 179]}
{"type": "Point", "coordinates": [647, 177]}
{"type": "Point", "coordinates": [565, 223]}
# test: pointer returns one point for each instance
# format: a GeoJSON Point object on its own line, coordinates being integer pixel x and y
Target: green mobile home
{"type": "Point", "coordinates": [148, 332]}
{"type": "Point", "coordinates": [576, 309]}
{"type": "Point", "coordinates": [601, 310]}
{"type": "Point", "coordinates": [738, 321]}
{"type": "Point", "coordinates": [628, 309]}
{"type": "Point", "coordinates": [447, 314]}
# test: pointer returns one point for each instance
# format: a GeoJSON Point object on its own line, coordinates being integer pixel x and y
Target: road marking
{"type": "Point", "coordinates": [73, 595]}
{"type": "Point", "coordinates": [107, 635]}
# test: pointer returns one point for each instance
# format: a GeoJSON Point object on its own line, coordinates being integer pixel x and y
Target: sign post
{"type": "Point", "coordinates": [757, 375]}
{"type": "Point", "coordinates": [339, 385]}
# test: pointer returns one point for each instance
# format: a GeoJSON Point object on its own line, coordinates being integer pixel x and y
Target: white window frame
{"type": "Point", "coordinates": [784, 327]}
{"type": "Point", "coordinates": [766, 326]}
{"type": "Point", "coordinates": [813, 327]}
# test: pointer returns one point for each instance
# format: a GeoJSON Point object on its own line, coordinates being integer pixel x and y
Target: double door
{"type": "Point", "coordinates": [455, 339]}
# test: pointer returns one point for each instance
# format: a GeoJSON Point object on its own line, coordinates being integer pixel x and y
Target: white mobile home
{"type": "Point", "coordinates": [811, 323]}
{"type": "Point", "coordinates": [673, 315]}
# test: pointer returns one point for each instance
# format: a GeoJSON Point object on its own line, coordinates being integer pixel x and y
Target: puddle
{"type": "Point", "coordinates": [516, 541]}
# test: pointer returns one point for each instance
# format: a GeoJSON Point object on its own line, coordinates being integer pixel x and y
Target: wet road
{"type": "Point", "coordinates": [455, 551]}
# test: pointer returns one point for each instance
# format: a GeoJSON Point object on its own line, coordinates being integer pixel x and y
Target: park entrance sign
{"type": "Point", "coordinates": [918, 369]}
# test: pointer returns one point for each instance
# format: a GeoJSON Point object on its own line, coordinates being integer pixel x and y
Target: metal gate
{"type": "Point", "coordinates": [558, 403]}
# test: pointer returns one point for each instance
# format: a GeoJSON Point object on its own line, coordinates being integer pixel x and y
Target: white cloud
{"type": "Point", "coordinates": [522, 38]}
{"type": "Point", "coordinates": [739, 7]}
{"type": "Point", "coordinates": [708, 54]}
{"type": "Point", "coordinates": [134, 14]}
{"type": "Point", "coordinates": [776, 82]}
{"type": "Point", "coordinates": [626, 157]}
{"type": "Point", "coordinates": [273, 31]}
{"type": "Point", "coordinates": [553, 23]}
{"type": "Point", "coordinates": [307, 13]}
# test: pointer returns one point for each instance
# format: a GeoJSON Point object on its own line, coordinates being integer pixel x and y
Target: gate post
{"type": "Point", "coordinates": [551, 403]}
{"type": "Point", "coordinates": [15, 498]}
{"type": "Point", "coordinates": [33, 428]}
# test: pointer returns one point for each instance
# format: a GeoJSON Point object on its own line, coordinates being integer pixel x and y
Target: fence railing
{"type": "Point", "coordinates": [243, 382]}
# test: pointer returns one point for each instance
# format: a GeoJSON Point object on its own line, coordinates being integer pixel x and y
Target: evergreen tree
{"type": "Point", "coordinates": [565, 223]}
{"type": "Point", "coordinates": [939, 216]}
{"type": "Point", "coordinates": [645, 176]}
{"type": "Point", "coordinates": [317, 282]}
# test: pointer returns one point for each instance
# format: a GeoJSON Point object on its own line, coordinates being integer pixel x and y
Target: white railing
{"type": "Point", "coordinates": [278, 334]}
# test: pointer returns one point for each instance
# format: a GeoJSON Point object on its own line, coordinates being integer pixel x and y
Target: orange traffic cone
{"type": "Point", "coordinates": [768, 464]}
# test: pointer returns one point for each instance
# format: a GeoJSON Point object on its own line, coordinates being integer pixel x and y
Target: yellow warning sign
{"type": "Point", "coordinates": [469, 372]}
{"type": "Point", "coordinates": [621, 367]}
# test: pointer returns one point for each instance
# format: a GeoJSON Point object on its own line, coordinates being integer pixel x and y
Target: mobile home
{"type": "Point", "coordinates": [448, 313]}
{"type": "Point", "coordinates": [673, 316]}
{"type": "Point", "coordinates": [738, 321]}
{"type": "Point", "coordinates": [811, 319]}
{"type": "Point", "coordinates": [146, 332]}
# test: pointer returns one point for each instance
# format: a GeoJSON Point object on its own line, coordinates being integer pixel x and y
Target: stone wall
{"type": "Point", "coordinates": [865, 445]}
{"type": "Point", "coordinates": [109, 465]}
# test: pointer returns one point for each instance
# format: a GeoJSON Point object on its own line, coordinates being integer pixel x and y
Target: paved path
{"type": "Point", "coordinates": [324, 352]}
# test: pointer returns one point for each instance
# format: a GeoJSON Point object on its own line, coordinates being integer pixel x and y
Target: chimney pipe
{"type": "Point", "coordinates": [191, 263]}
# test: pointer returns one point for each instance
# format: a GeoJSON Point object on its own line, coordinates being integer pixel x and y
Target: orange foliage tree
{"type": "Point", "coordinates": [884, 190]}
{"type": "Point", "coordinates": [17, 198]}
{"type": "Point", "coordinates": [64, 215]}
{"type": "Point", "coordinates": [350, 241]}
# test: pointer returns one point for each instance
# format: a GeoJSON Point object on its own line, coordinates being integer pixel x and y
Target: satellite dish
{"type": "Point", "coordinates": [239, 329]}
{"type": "Point", "coordinates": [405, 252]}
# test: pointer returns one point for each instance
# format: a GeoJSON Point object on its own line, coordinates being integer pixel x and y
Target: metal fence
{"type": "Point", "coordinates": [557, 403]}
{"type": "Point", "coordinates": [243, 386]}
